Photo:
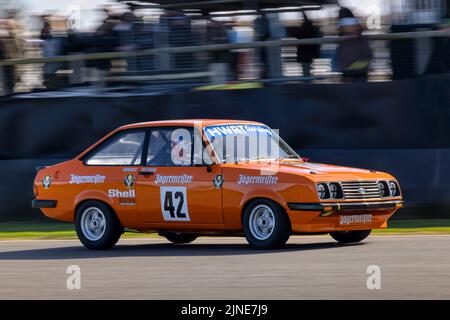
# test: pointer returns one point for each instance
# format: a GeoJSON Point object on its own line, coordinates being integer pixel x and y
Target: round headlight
{"type": "Point", "coordinates": [393, 188]}
{"type": "Point", "coordinates": [384, 189]}
{"type": "Point", "coordinates": [335, 191]}
{"type": "Point", "coordinates": [322, 190]}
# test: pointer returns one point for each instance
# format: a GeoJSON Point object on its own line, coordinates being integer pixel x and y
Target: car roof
{"type": "Point", "coordinates": [168, 123]}
{"type": "Point", "coordinates": [186, 122]}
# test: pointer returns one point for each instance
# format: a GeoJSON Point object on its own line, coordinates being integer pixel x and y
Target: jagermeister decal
{"type": "Point", "coordinates": [129, 181]}
{"type": "Point", "coordinates": [46, 182]}
{"type": "Point", "coordinates": [218, 181]}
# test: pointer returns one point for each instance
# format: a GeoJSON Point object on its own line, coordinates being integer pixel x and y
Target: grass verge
{"type": "Point", "coordinates": [416, 226]}
{"type": "Point", "coordinates": [50, 230]}
{"type": "Point", "coordinates": [56, 230]}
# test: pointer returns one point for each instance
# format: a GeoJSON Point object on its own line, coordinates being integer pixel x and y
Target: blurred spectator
{"type": "Point", "coordinates": [108, 24]}
{"type": "Point", "coordinates": [233, 38]}
{"type": "Point", "coordinates": [277, 31]}
{"type": "Point", "coordinates": [268, 27]}
{"type": "Point", "coordinates": [105, 39]}
{"type": "Point", "coordinates": [216, 33]}
{"type": "Point", "coordinates": [262, 33]}
{"type": "Point", "coordinates": [144, 38]}
{"type": "Point", "coordinates": [46, 27]}
{"type": "Point", "coordinates": [353, 54]}
{"type": "Point", "coordinates": [9, 49]}
{"type": "Point", "coordinates": [345, 12]}
{"type": "Point", "coordinates": [127, 31]}
{"type": "Point", "coordinates": [307, 53]}
{"type": "Point", "coordinates": [54, 36]}
{"type": "Point", "coordinates": [241, 58]}
{"type": "Point", "coordinates": [178, 28]}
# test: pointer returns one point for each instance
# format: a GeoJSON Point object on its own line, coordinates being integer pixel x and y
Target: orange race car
{"type": "Point", "coordinates": [186, 178]}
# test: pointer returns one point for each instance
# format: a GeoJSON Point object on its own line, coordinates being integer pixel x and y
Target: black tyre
{"type": "Point", "coordinates": [97, 226]}
{"type": "Point", "coordinates": [178, 238]}
{"type": "Point", "coordinates": [266, 225]}
{"type": "Point", "coordinates": [350, 236]}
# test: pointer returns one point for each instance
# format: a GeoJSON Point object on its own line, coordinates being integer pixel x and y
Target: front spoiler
{"type": "Point", "coordinates": [346, 206]}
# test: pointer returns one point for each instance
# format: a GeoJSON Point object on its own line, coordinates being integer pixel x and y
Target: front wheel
{"type": "Point", "coordinates": [178, 238]}
{"type": "Point", "coordinates": [266, 225]}
{"type": "Point", "coordinates": [350, 236]}
{"type": "Point", "coordinates": [97, 226]}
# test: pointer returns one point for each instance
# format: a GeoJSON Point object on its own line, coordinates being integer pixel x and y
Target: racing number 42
{"type": "Point", "coordinates": [168, 204]}
{"type": "Point", "coordinates": [174, 204]}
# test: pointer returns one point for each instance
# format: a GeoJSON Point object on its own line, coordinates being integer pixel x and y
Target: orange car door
{"type": "Point", "coordinates": [172, 193]}
{"type": "Point", "coordinates": [113, 166]}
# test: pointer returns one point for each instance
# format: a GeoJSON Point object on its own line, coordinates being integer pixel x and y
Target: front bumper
{"type": "Point", "coordinates": [43, 204]}
{"type": "Point", "coordinates": [346, 206]}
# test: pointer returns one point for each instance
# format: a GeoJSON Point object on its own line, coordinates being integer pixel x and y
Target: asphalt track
{"type": "Point", "coordinates": [225, 268]}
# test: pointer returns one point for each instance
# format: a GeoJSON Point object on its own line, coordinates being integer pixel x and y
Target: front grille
{"type": "Point", "coordinates": [360, 190]}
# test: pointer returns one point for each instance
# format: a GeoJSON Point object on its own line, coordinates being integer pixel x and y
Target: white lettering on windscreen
{"type": "Point", "coordinates": [236, 129]}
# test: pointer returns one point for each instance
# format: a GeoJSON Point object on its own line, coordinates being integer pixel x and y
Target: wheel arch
{"type": "Point", "coordinates": [92, 195]}
{"type": "Point", "coordinates": [77, 206]}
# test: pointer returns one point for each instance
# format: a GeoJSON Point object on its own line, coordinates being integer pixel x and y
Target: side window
{"type": "Point", "coordinates": [125, 149]}
{"type": "Point", "coordinates": [170, 147]}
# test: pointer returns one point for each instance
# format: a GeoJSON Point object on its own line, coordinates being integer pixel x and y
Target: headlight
{"type": "Point", "coordinates": [336, 191]}
{"type": "Point", "coordinates": [322, 190]}
{"type": "Point", "coordinates": [394, 189]}
{"type": "Point", "coordinates": [384, 189]}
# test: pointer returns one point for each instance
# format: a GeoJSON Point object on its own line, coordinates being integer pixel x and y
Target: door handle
{"type": "Point", "coordinates": [145, 173]}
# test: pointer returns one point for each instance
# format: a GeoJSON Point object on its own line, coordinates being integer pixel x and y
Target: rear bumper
{"type": "Point", "coordinates": [43, 204]}
{"type": "Point", "coordinates": [346, 206]}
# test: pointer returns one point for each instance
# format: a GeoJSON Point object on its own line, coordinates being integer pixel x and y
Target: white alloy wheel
{"type": "Point", "coordinates": [93, 223]}
{"type": "Point", "coordinates": [262, 222]}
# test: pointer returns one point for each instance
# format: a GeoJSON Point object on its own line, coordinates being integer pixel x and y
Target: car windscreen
{"type": "Point", "coordinates": [246, 142]}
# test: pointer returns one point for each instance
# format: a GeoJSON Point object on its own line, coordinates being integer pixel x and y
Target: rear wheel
{"type": "Point", "coordinates": [266, 225]}
{"type": "Point", "coordinates": [97, 226]}
{"type": "Point", "coordinates": [178, 238]}
{"type": "Point", "coordinates": [350, 236]}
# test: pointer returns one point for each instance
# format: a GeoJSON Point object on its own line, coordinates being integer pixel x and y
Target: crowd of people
{"type": "Point", "coordinates": [127, 31]}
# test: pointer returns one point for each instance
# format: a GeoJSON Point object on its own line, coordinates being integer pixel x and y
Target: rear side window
{"type": "Point", "coordinates": [124, 149]}
{"type": "Point", "coordinates": [170, 147]}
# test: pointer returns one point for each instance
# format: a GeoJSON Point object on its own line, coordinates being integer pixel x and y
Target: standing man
{"type": "Point", "coordinates": [307, 53]}
{"type": "Point", "coordinates": [353, 54]}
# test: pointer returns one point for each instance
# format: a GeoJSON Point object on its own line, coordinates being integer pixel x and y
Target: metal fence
{"type": "Point", "coordinates": [177, 57]}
